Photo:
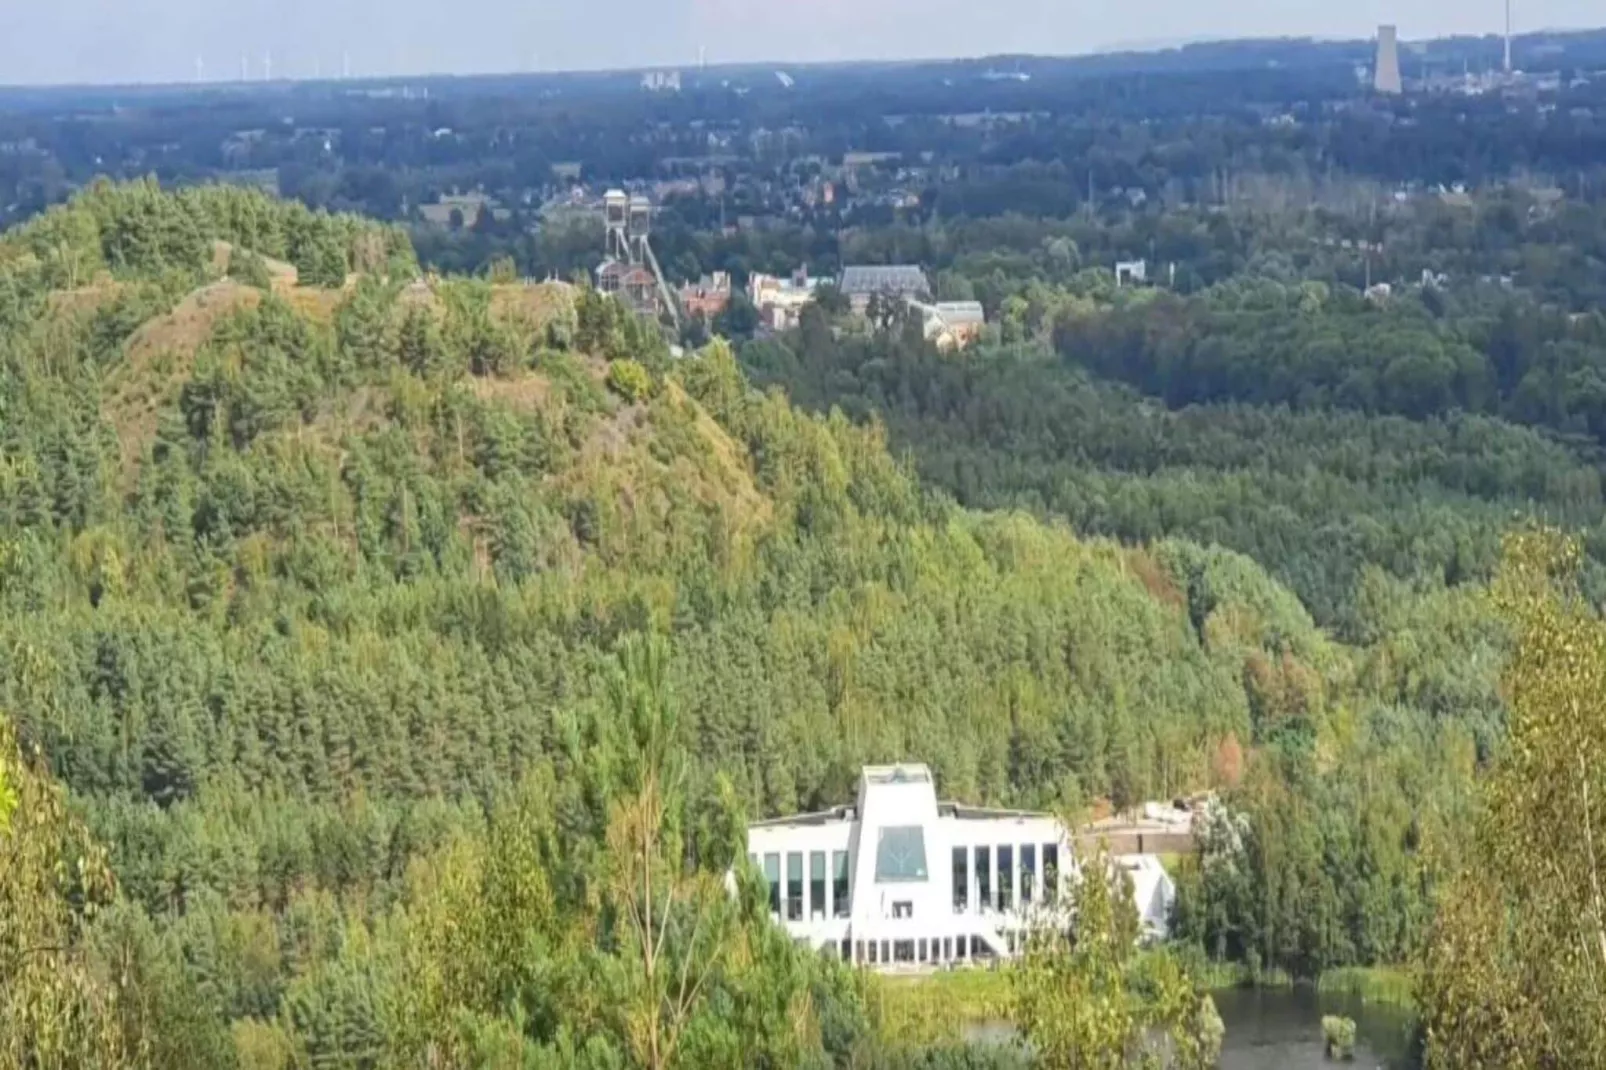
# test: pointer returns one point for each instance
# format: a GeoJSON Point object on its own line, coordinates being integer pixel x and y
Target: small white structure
{"type": "Point", "coordinates": [901, 880]}
{"type": "Point", "coordinates": [1131, 272]}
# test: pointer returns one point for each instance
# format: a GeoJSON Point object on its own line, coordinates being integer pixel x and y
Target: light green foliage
{"type": "Point", "coordinates": [1338, 1037]}
{"type": "Point", "coordinates": [1514, 971]}
{"type": "Point", "coordinates": [630, 380]}
{"type": "Point", "coordinates": [56, 1009]}
{"type": "Point", "coordinates": [8, 802]}
{"type": "Point", "coordinates": [1084, 998]}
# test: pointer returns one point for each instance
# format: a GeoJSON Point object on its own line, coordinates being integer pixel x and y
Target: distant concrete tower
{"type": "Point", "coordinates": [1508, 36]}
{"type": "Point", "coordinates": [1386, 77]}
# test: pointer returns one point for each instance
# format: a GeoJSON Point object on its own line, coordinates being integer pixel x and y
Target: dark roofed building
{"type": "Point", "coordinates": [906, 282]}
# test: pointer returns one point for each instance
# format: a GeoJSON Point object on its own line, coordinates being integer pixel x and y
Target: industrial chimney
{"type": "Point", "coordinates": [1387, 75]}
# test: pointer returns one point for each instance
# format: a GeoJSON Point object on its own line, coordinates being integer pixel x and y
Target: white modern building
{"type": "Point", "coordinates": [900, 879]}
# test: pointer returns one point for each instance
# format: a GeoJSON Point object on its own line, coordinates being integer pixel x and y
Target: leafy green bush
{"type": "Point", "coordinates": [1339, 1035]}
{"type": "Point", "coordinates": [630, 380]}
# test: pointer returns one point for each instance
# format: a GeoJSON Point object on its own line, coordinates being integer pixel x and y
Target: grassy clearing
{"type": "Point", "coordinates": [936, 1007]}
{"type": "Point", "coordinates": [1389, 985]}
{"type": "Point", "coordinates": [1372, 984]}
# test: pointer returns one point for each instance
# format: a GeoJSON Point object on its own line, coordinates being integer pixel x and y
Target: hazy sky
{"type": "Point", "coordinates": [159, 40]}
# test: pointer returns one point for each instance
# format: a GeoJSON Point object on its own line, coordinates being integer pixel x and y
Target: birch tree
{"type": "Point", "coordinates": [1514, 975]}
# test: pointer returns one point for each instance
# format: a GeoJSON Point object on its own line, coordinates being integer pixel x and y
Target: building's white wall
{"type": "Point", "coordinates": [876, 916]}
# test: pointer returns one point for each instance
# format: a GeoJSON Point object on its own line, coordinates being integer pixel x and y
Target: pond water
{"type": "Point", "coordinates": [1281, 1029]}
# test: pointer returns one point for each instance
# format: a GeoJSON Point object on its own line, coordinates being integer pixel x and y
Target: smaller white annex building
{"type": "Point", "coordinates": [900, 879]}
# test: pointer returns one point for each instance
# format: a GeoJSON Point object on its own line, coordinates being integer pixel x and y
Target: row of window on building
{"type": "Point", "coordinates": [1016, 867]}
{"type": "Point", "coordinates": [817, 899]}
{"type": "Point", "coordinates": [827, 893]}
{"type": "Point", "coordinates": [923, 951]}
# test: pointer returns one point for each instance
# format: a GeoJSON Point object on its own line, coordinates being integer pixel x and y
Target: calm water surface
{"type": "Point", "coordinates": [1281, 1029]}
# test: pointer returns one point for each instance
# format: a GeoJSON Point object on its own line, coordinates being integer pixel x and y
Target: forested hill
{"type": "Point", "coordinates": [307, 562]}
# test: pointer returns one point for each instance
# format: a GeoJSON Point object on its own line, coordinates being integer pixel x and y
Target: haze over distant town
{"type": "Point", "coordinates": [91, 41]}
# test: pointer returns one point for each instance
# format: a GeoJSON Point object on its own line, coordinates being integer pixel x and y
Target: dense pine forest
{"type": "Point", "coordinates": [354, 622]}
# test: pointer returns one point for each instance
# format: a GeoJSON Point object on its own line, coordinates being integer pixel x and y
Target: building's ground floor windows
{"type": "Point", "coordinates": [903, 951]}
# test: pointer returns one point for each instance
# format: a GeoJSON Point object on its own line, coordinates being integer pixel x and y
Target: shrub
{"type": "Point", "coordinates": [630, 380]}
{"type": "Point", "coordinates": [1339, 1034]}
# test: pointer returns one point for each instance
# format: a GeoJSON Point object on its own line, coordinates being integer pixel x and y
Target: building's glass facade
{"type": "Point", "coordinates": [841, 896]}
{"type": "Point", "coordinates": [900, 854]}
{"type": "Point", "coordinates": [772, 874]}
{"type": "Point", "coordinates": [794, 886]}
{"type": "Point", "coordinates": [817, 884]}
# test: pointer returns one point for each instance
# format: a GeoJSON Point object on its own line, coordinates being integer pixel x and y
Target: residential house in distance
{"type": "Point", "coordinates": [951, 325]}
{"type": "Point", "coordinates": [903, 282]}
{"type": "Point", "coordinates": [707, 297]}
{"type": "Point", "coordinates": [898, 879]}
{"type": "Point", "coordinates": [780, 302]}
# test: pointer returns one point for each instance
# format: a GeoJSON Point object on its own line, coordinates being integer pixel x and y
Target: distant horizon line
{"type": "Point", "coordinates": [1137, 47]}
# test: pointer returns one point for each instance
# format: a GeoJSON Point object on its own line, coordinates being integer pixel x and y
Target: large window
{"type": "Point", "coordinates": [984, 877]}
{"type": "Point", "coordinates": [1028, 873]}
{"type": "Point", "coordinates": [1051, 871]}
{"type": "Point", "coordinates": [900, 854]}
{"type": "Point", "coordinates": [794, 886]}
{"type": "Point", "coordinates": [772, 874]}
{"type": "Point", "coordinates": [961, 879]}
{"type": "Point", "coordinates": [1006, 877]}
{"type": "Point", "coordinates": [817, 884]}
{"type": "Point", "coordinates": [841, 898]}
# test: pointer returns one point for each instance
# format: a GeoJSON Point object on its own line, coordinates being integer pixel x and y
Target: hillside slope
{"type": "Point", "coordinates": [296, 581]}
